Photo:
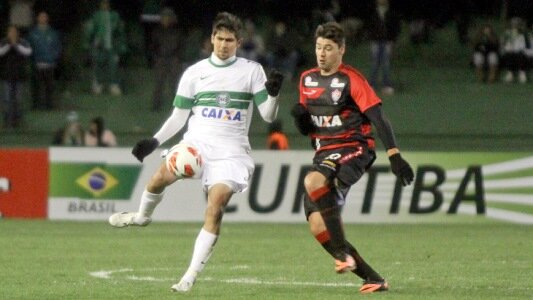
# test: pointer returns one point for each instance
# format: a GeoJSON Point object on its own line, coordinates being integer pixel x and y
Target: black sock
{"type": "Point", "coordinates": [363, 270]}
{"type": "Point", "coordinates": [325, 199]}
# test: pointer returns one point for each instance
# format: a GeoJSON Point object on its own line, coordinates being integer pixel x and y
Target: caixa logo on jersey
{"type": "Point", "coordinates": [327, 121]}
{"type": "Point", "coordinates": [222, 113]}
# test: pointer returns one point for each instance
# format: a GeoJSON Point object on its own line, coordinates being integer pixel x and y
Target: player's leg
{"type": "Point", "coordinates": [372, 280]}
{"type": "Point", "coordinates": [217, 199]}
{"type": "Point", "coordinates": [150, 198]}
{"type": "Point", "coordinates": [320, 191]}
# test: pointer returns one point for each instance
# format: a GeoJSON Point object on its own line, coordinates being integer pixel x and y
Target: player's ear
{"type": "Point", "coordinates": [212, 38]}
{"type": "Point", "coordinates": [342, 49]}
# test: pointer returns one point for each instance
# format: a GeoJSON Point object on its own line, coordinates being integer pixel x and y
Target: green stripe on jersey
{"type": "Point", "coordinates": [183, 102]}
{"type": "Point", "coordinates": [238, 104]}
{"type": "Point", "coordinates": [232, 95]}
{"type": "Point", "coordinates": [260, 97]}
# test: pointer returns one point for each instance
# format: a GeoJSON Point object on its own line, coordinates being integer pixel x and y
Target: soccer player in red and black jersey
{"type": "Point", "coordinates": [337, 109]}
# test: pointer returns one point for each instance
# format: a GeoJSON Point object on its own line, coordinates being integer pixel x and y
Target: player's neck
{"type": "Point", "coordinates": [333, 70]}
{"type": "Point", "coordinates": [219, 62]}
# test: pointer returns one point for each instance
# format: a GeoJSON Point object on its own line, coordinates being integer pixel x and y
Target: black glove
{"type": "Point", "coordinates": [144, 147]}
{"type": "Point", "coordinates": [302, 119]}
{"type": "Point", "coordinates": [401, 169]}
{"type": "Point", "coordinates": [273, 83]}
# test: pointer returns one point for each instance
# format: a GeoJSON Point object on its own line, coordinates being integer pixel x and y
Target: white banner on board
{"type": "Point", "coordinates": [93, 183]}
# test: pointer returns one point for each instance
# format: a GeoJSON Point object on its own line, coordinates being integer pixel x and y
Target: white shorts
{"type": "Point", "coordinates": [491, 59]}
{"type": "Point", "coordinates": [228, 164]}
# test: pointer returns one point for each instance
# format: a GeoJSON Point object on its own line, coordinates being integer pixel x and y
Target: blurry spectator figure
{"type": "Point", "coordinates": [383, 29]}
{"type": "Point", "coordinates": [71, 134]}
{"type": "Point", "coordinates": [13, 53]}
{"type": "Point", "coordinates": [462, 10]}
{"type": "Point", "coordinates": [98, 135]}
{"type": "Point", "coordinates": [529, 51]}
{"type": "Point", "coordinates": [419, 31]}
{"type": "Point", "coordinates": [283, 55]}
{"type": "Point", "coordinates": [46, 47]}
{"type": "Point", "coordinates": [325, 12]}
{"type": "Point", "coordinates": [277, 140]}
{"type": "Point", "coordinates": [106, 41]}
{"type": "Point", "coordinates": [207, 48]}
{"type": "Point", "coordinates": [354, 29]}
{"type": "Point", "coordinates": [252, 45]}
{"type": "Point", "coordinates": [486, 54]}
{"type": "Point", "coordinates": [21, 15]}
{"type": "Point", "coordinates": [150, 19]}
{"type": "Point", "coordinates": [514, 45]}
{"type": "Point", "coordinates": [165, 47]}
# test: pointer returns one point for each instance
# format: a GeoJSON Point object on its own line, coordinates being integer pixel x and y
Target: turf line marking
{"type": "Point", "coordinates": [107, 274]}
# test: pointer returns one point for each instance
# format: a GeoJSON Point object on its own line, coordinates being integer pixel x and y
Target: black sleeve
{"type": "Point", "coordinates": [376, 116]}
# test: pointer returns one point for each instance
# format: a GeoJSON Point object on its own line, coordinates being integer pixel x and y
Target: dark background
{"type": "Point", "coordinates": [199, 13]}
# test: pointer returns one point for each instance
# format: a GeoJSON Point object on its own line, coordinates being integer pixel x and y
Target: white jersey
{"type": "Point", "coordinates": [221, 98]}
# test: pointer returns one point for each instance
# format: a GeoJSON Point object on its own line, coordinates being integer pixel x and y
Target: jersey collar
{"type": "Point", "coordinates": [217, 62]}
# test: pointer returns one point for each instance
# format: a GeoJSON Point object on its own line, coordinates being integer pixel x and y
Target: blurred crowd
{"type": "Point", "coordinates": [74, 134]}
{"type": "Point", "coordinates": [32, 51]}
{"type": "Point", "coordinates": [509, 53]}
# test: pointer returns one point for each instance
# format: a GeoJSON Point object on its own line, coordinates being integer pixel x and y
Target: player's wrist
{"type": "Point", "coordinates": [392, 151]}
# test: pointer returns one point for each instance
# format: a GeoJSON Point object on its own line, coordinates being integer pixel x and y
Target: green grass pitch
{"type": "Point", "coordinates": [477, 259]}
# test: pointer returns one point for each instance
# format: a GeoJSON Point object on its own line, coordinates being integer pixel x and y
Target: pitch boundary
{"type": "Point", "coordinates": [110, 274]}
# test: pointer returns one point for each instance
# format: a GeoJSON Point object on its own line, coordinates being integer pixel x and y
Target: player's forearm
{"type": "Point", "coordinates": [172, 125]}
{"type": "Point", "coordinates": [269, 109]}
{"type": "Point", "coordinates": [383, 128]}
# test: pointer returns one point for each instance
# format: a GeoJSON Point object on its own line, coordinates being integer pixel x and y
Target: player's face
{"type": "Point", "coordinates": [328, 55]}
{"type": "Point", "coordinates": [225, 44]}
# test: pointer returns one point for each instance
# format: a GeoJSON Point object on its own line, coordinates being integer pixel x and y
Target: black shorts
{"type": "Point", "coordinates": [342, 167]}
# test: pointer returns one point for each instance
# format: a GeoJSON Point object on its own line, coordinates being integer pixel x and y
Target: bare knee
{"type": "Point", "coordinates": [218, 198]}
{"type": "Point", "coordinates": [313, 181]}
{"type": "Point", "coordinates": [160, 180]}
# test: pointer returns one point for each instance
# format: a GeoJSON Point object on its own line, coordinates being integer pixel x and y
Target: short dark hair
{"type": "Point", "coordinates": [331, 31]}
{"type": "Point", "coordinates": [229, 22]}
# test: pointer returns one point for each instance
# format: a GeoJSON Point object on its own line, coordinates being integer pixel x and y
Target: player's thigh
{"type": "Point", "coordinates": [161, 178]}
{"type": "Point", "coordinates": [345, 164]}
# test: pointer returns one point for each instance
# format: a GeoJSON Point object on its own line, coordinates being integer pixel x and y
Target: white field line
{"type": "Point", "coordinates": [107, 274]}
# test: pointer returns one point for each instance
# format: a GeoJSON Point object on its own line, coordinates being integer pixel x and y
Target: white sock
{"type": "Point", "coordinates": [148, 203]}
{"type": "Point", "coordinates": [203, 248]}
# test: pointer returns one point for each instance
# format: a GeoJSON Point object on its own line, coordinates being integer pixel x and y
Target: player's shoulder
{"type": "Point", "coordinates": [351, 72]}
{"type": "Point", "coordinates": [247, 62]}
{"type": "Point", "coordinates": [310, 72]}
{"type": "Point", "coordinates": [202, 63]}
{"type": "Point", "coordinates": [196, 68]}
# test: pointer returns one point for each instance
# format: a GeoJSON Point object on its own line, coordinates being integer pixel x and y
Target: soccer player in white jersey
{"type": "Point", "coordinates": [220, 92]}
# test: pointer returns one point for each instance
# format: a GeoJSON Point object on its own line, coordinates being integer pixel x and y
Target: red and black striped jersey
{"type": "Point", "coordinates": [337, 104]}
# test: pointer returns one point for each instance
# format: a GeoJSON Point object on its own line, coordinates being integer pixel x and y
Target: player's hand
{"type": "Point", "coordinates": [302, 119]}
{"type": "Point", "coordinates": [144, 147]}
{"type": "Point", "coordinates": [401, 169]}
{"type": "Point", "coordinates": [273, 83]}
